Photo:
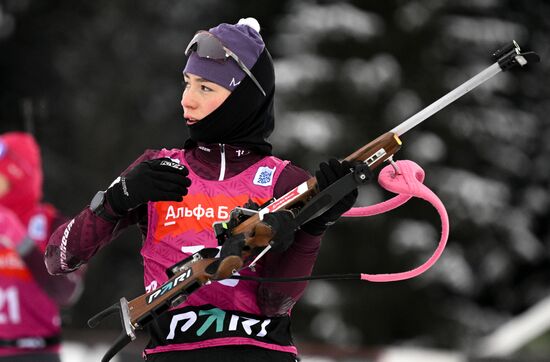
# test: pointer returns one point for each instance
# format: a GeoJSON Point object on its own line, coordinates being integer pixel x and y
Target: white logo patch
{"type": "Point", "coordinates": [264, 176]}
{"type": "Point", "coordinates": [234, 83]}
{"type": "Point", "coordinates": [38, 227]}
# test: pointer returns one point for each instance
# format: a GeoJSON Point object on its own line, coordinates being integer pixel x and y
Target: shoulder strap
{"type": "Point", "coordinates": [405, 180]}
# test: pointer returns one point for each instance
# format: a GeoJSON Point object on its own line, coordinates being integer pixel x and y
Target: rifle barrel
{"type": "Point", "coordinates": [447, 99]}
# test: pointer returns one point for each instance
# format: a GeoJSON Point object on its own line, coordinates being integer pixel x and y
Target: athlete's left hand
{"type": "Point", "coordinates": [283, 227]}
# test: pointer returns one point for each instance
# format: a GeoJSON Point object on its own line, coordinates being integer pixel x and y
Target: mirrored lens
{"type": "Point", "coordinates": [206, 46]}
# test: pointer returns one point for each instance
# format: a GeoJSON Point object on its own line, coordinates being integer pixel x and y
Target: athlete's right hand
{"type": "Point", "coordinates": [160, 179]}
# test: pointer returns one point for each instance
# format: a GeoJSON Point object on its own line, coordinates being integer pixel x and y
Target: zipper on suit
{"type": "Point", "coordinates": [222, 163]}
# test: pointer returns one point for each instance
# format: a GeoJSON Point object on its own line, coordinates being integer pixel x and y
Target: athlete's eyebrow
{"type": "Point", "coordinates": [198, 79]}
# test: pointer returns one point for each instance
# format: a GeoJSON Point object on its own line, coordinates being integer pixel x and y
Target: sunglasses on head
{"type": "Point", "coordinates": [208, 46]}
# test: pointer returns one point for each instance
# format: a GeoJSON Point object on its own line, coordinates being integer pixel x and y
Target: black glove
{"type": "Point", "coordinates": [283, 227]}
{"type": "Point", "coordinates": [233, 246]}
{"type": "Point", "coordinates": [327, 174]}
{"type": "Point", "coordinates": [160, 179]}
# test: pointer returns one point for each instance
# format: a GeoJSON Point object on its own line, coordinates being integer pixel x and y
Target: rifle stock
{"type": "Point", "coordinates": [173, 292]}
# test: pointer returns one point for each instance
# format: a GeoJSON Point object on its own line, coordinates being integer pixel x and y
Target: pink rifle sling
{"type": "Point", "coordinates": [406, 183]}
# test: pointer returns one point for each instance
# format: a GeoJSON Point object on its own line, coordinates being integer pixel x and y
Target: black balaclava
{"type": "Point", "coordinates": [246, 117]}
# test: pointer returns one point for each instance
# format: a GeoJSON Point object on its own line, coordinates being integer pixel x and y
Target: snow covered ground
{"type": "Point", "coordinates": [79, 352]}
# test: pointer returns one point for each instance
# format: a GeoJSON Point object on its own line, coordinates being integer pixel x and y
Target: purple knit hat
{"type": "Point", "coordinates": [244, 40]}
